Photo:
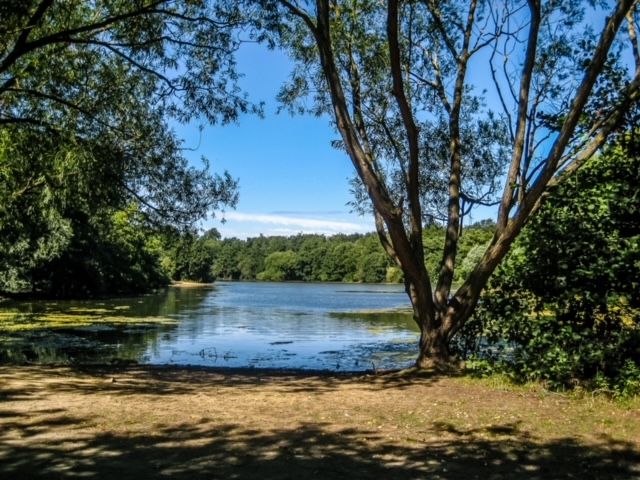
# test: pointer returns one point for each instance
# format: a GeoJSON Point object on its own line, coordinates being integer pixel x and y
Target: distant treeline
{"type": "Point", "coordinates": [117, 252]}
{"type": "Point", "coordinates": [308, 257]}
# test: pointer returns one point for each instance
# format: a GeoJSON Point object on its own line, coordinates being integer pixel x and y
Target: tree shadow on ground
{"type": "Point", "coordinates": [157, 380]}
{"type": "Point", "coordinates": [60, 442]}
{"type": "Point", "coordinates": [309, 451]}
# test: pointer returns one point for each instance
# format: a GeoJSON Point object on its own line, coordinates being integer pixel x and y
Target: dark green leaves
{"type": "Point", "coordinates": [566, 303]}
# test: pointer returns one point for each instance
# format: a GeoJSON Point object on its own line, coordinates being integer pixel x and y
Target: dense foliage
{"type": "Point", "coordinates": [565, 306]}
{"type": "Point", "coordinates": [89, 167]}
{"type": "Point", "coordinates": [189, 256]}
{"type": "Point", "coordinates": [303, 257]}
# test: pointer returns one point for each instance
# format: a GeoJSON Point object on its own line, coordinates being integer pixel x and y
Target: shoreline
{"type": "Point", "coordinates": [128, 366]}
{"type": "Point", "coordinates": [30, 297]}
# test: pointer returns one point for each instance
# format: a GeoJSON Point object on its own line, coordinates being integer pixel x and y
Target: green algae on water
{"type": "Point", "coordinates": [100, 318]}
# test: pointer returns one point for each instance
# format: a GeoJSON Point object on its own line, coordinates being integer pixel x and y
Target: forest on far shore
{"type": "Point", "coordinates": [309, 257]}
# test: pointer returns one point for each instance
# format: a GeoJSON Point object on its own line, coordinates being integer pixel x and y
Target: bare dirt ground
{"type": "Point", "coordinates": [145, 422]}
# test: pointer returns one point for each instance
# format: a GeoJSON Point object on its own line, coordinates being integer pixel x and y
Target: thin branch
{"type": "Point", "coordinates": [450, 250]}
{"type": "Point", "coordinates": [199, 19]}
{"type": "Point", "coordinates": [478, 201]}
{"type": "Point", "coordinates": [505, 72]}
{"type": "Point", "coordinates": [170, 84]}
{"type": "Point", "coordinates": [63, 35]}
{"type": "Point", "coordinates": [356, 97]}
{"type": "Point", "coordinates": [384, 238]}
{"type": "Point", "coordinates": [598, 139]}
{"type": "Point", "coordinates": [73, 106]}
{"type": "Point", "coordinates": [306, 18]}
{"type": "Point", "coordinates": [395, 146]}
{"type": "Point", "coordinates": [633, 39]}
{"type": "Point", "coordinates": [505, 110]}
{"type": "Point", "coordinates": [577, 106]}
{"type": "Point", "coordinates": [21, 42]}
{"type": "Point", "coordinates": [439, 83]}
{"type": "Point", "coordinates": [437, 17]}
{"type": "Point", "coordinates": [523, 107]}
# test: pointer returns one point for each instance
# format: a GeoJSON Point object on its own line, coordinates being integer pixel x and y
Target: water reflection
{"type": "Point", "coordinates": [262, 325]}
{"type": "Point", "coordinates": [87, 331]}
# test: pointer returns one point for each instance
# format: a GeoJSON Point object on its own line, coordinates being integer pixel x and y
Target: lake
{"type": "Point", "coordinates": [328, 326]}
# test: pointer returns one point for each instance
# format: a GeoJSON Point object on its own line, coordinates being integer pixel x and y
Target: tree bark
{"type": "Point", "coordinates": [434, 339]}
{"type": "Point", "coordinates": [438, 314]}
{"type": "Point", "coordinates": [434, 350]}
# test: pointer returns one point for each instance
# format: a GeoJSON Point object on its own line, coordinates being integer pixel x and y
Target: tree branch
{"type": "Point", "coordinates": [411, 129]}
{"type": "Point", "coordinates": [20, 45]}
{"type": "Point", "coordinates": [129, 59]}
{"type": "Point", "coordinates": [633, 39]}
{"type": "Point", "coordinates": [607, 126]}
{"type": "Point", "coordinates": [523, 107]}
{"type": "Point", "coordinates": [452, 233]}
{"type": "Point", "coordinates": [384, 239]}
{"type": "Point", "coordinates": [306, 18]}
{"type": "Point", "coordinates": [437, 17]}
{"type": "Point", "coordinates": [503, 103]}
{"type": "Point", "coordinates": [577, 106]}
{"type": "Point", "coordinates": [391, 214]}
{"type": "Point", "coordinates": [468, 294]}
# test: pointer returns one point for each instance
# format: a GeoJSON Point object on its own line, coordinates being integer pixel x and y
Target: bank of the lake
{"type": "Point", "coordinates": [168, 422]}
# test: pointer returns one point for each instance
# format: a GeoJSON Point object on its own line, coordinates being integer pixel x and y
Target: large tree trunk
{"type": "Point", "coordinates": [433, 350]}
{"type": "Point", "coordinates": [434, 328]}
{"type": "Point", "coordinates": [438, 325]}
{"type": "Point", "coordinates": [399, 227]}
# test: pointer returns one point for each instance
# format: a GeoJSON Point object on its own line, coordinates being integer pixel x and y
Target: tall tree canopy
{"type": "Point", "coordinates": [433, 100]}
{"type": "Point", "coordinates": [86, 93]}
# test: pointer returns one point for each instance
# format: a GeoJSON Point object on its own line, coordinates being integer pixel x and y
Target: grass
{"type": "Point", "coordinates": [153, 422]}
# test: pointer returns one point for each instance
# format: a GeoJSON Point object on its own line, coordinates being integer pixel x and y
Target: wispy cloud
{"type": "Point", "coordinates": [302, 213]}
{"type": "Point", "coordinates": [282, 224]}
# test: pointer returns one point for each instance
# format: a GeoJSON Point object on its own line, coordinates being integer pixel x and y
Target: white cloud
{"type": "Point", "coordinates": [266, 224]}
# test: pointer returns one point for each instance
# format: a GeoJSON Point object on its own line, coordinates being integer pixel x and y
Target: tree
{"type": "Point", "coordinates": [567, 297]}
{"type": "Point", "coordinates": [181, 46]}
{"type": "Point", "coordinates": [86, 91]}
{"type": "Point", "coordinates": [341, 262]}
{"type": "Point", "coordinates": [228, 259]}
{"type": "Point", "coordinates": [372, 268]}
{"type": "Point", "coordinates": [110, 73]}
{"type": "Point", "coordinates": [280, 266]}
{"type": "Point", "coordinates": [192, 257]}
{"type": "Point", "coordinates": [396, 79]}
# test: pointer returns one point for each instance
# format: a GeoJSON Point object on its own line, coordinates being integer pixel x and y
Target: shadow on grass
{"type": "Point", "coordinates": [58, 443]}
{"type": "Point", "coordinates": [157, 380]}
{"type": "Point", "coordinates": [311, 451]}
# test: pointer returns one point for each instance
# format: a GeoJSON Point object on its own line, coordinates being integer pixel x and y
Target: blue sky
{"type": "Point", "coordinates": [291, 179]}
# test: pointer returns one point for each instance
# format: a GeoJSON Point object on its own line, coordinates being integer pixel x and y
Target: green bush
{"type": "Point", "coordinates": [565, 305]}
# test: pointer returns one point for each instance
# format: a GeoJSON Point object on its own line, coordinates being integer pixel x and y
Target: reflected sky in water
{"type": "Point", "coordinates": [232, 324]}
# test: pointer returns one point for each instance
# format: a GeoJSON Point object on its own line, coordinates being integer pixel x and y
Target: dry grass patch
{"type": "Point", "coordinates": [196, 423]}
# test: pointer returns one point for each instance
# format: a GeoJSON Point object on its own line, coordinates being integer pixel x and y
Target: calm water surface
{"type": "Point", "coordinates": [262, 325]}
